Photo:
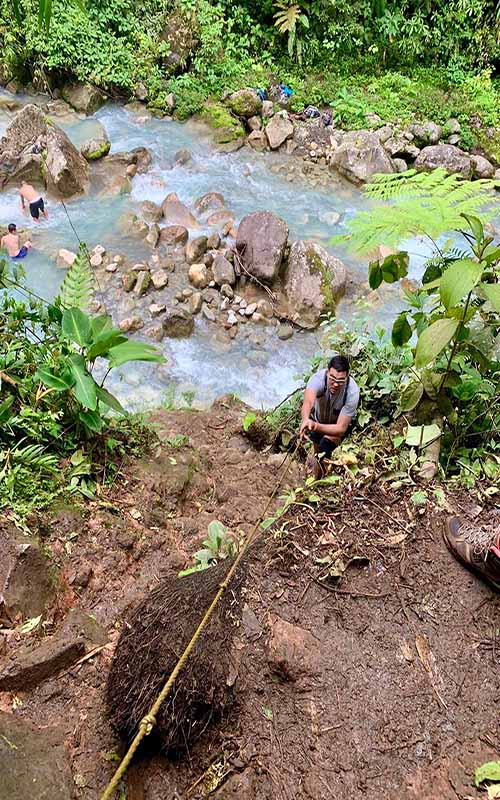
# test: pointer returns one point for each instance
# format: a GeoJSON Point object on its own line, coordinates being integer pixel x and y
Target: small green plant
{"type": "Point", "coordinates": [488, 774]}
{"type": "Point", "coordinates": [217, 546]}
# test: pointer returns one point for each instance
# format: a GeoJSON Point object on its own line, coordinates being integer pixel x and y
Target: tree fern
{"type": "Point", "coordinates": [78, 285]}
{"type": "Point", "coordinates": [418, 204]}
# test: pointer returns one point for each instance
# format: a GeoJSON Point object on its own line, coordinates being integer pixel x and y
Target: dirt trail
{"type": "Point", "coordinates": [381, 686]}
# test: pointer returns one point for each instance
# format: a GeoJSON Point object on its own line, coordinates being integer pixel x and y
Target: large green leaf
{"type": "Point", "coordinates": [104, 342]}
{"type": "Point", "coordinates": [109, 400]}
{"type": "Point", "coordinates": [85, 386]}
{"type": "Point", "coordinates": [92, 420]}
{"type": "Point", "coordinates": [421, 435]}
{"type": "Point", "coordinates": [411, 396]}
{"type": "Point", "coordinates": [433, 339]}
{"type": "Point", "coordinates": [59, 382]}
{"type": "Point", "coordinates": [134, 351]}
{"type": "Point", "coordinates": [76, 326]}
{"type": "Point", "coordinates": [5, 412]}
{"type": "Point", "coordinates": [458, 281]}
{"type": "Point", "coordinates": [487, 772]}
{"type": "Point", "coordinates": [401, 330]}
{"type": "Point", "coordinates": [492, 292]}
{"type": "Point", "coordinates": [100, 324]}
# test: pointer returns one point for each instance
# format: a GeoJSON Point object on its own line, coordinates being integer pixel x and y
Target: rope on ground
{"type": "Point", "coordinates": [149, 721]}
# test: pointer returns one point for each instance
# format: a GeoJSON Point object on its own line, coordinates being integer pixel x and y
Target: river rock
{"type": "Point", "coordinates": [399, 147]}
{"type": "Point", "coordinates": [131, 324]}
{"type": "Point", "coordinates": [153, 235]}
{"type": "Point", "coordinates": [278, 130]}
{"type": "Point", "coordinates": [159, 278]}
{"type": "Point", "coordinates": [196, 249]}
{"type": "Point", "coordinates": [359, 156]}
{"type": "Point", "coordinates": [93, 149]}
{"type": "Point", "coordinates": [151, 211]}
{"type": "Point", "coordinates": [254, 123]}
{"type": "Point", "coordinates": [232, 319]}
{"type": "Point", "coordinates": [66, 170]}
{"type": "Point", "coordinates": [174, 235]}
{"type": "Point", "coordinates": [207, 312]}
{"type": "Point", "coordinates": [261, 241]}
{"type": "Point", "coordinates": [177, 213]}
{"type": "Point", "coordinates": [426, 133]}
{"type": "Point", "coordinates": [446, 156]}
{"type": "Point", "coordinates": [142, 283]}
{"type": "Point", "coordinates": [481, 167]}
{"type": "Point", "coordinates": [223, 271]}
{"type": "Point", "coordinates": [208, 201]}
{"type": "Point", "coordinates": [128, 280]}
{"type": "Point", "coordinates": [227, 291]}
{"type": "Point", "coordinates": [26, 583]}
{"type": "Point", "coordinates": [177, 323]}
{"type": "Point", "coordinates": [182, 157]}
{"type": "Point", "coordinates": [258, 141]}
{"type": "Point", "coordinates": [195, 303]}
{"type": "Point", "coordinates": [220, 218]}
{"type": "Point", "coordinates": [83, 97]}
{"type": "Point", "coordinates": [139, 228]}
{"type": "Point", "coordinates": [284, 332]}
{"type": "Point", "coordinates": [400, 164]}
{"type": "Point", "coordinates": [267, 109]}
{"type": "Point", "coordinates": [213, 241]}
{"type": "Point", "coordinates": [245, 103]}
{"type": "Point", "coordinates": [96, 260]}
{"type": "Point", "coordinates": [313, 282]}
{"type": "Point", "coordinates": [65, 258]}
{"type": "Point", "coordinates": [155, 309]}
{"type": "Point", "coordinates": [33, 761]}
{"type": "Point", "coordinates": [198, 275]}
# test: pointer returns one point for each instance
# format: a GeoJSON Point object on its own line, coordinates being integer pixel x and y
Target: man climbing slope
{"type": "Point", "coordinates": [331, 399]}
{"type": "Point", "coordinates": [35, 202]}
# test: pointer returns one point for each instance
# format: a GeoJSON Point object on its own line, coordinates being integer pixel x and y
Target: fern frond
{"type": "Point", "coordinates": [34, 455]}
{"type": "Point", "coordinates": [78, 285]}
{"type": "Point", "coordinates": [419, 204]}
{"type": "Point", "coordinates": [287, 17]}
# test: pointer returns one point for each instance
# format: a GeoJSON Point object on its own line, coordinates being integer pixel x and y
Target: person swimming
{"type": "Point", "coordinates": [12, 243]}
{"type": "Point", "coordinates": [30, 195]}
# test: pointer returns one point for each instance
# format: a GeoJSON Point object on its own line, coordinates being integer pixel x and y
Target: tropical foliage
{"type": "Point", "coordinates": [454, 315]}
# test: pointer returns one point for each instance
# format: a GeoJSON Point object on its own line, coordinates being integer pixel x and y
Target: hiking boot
{"type": "Point", "coordinates": [475, 547]}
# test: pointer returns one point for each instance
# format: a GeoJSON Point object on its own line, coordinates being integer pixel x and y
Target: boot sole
{"type": "Point", "coordinates": [471, 567]}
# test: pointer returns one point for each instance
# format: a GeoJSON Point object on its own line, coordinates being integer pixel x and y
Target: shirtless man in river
{"type": "Point", "coordinates": [30, 195]}
{"type": "Point", "coordinates": [12, 244]}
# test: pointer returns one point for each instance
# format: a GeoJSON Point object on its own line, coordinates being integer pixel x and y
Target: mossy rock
{"type": "Point", "coordinates": [95, 149]}
{"type": "Point", "coordinates": [489, 142]}
{"type": "Point", "coordinates": [226, 127]}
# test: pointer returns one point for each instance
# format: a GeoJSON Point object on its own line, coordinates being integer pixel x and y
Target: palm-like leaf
{"type": "Point", "coordinates": [427, 204]}
{"type": "Point", "coordinates": [78, 284]}
{"type": "Point", "coordinates": [287, 17]}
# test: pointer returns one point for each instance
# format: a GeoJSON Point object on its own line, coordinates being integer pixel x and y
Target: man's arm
{"type": "Point", "coordinates": [336, 430]}
{"type": "Point", "coordinates": [23, 203]}
{"type": "Point", "coordinates": [305, 413]}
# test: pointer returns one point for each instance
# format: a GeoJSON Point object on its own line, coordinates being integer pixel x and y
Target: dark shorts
{"type": "Point", "coordinates": [36, 207]}
{"type": "Point", "coordinates": [326, 446]}
{"type": "Point", "coordinates": [22, 253]}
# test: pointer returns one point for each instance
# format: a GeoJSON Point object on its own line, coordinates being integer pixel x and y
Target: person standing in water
{"type": "Point", "coordinates": [12, 244]}
{"type": "Point", "coordinates": [30, 195]}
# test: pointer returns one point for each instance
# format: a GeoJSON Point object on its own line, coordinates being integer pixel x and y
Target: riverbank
{"type": "Point", "coordinates": [376, 682]}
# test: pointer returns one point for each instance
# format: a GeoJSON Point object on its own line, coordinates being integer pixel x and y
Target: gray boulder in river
{"type": "Point", "coordinates": [361, 155]}
{"type": "Point", "coordinates": [83, 97]}
{"type": "Point", "coordinates": [447, 156]}
{"type": "Point", "coordinates": [29, 135]}
{"type": "Point", "coordinates": [313, 282]}
{"type": "Point", "coordinates": [261, 241]}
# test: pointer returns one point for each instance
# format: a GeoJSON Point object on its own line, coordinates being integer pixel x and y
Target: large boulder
{"type": "Point", "coordinates": [93, 149]}
{"type": "Point", "coordinates": [176, 213]}
{"type": "Point", "coordinates": [33, 761]}
{"type": "Point", "coordinates": [426, 133]}
{"type": "Point", "coordinates": [174, 235]}
{"type": "Point", "coordinates": [66, 170]}
{"type": "Point", "coordinates": [446, 156]}
{"type": "Point", "coordinates": [21, 147]}
{"type": "Point", "coordinates": [261, 242]}
{"type": "Point", "coordinates": [245, 103]}
{"type": "Point", "coordinates": [361, 155]}
{"type": "Point", "coordinates": [278, 130]}
{"type": "Point", "coordinates": [313, 282]}
{"type": "Point", "coordinates": [209, 202]}
{"type": "Point", "coordinates": [481, 167]}
{"type": "Point", "coordinates": [181, 33]}
{"type": "Point", "coordinates": [84, 97]}
{"type": "Point", "coordinates": [26, 585]}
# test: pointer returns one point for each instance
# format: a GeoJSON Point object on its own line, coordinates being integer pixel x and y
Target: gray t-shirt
{"type": "Point", "coordinates": [326, 401]}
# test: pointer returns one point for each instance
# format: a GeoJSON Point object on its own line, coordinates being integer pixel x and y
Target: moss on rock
{"type": "Point", "coordinates": [218, 118]}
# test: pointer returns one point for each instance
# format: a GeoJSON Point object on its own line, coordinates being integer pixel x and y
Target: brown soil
{"type": "Point", "coordinates": [389, 679]}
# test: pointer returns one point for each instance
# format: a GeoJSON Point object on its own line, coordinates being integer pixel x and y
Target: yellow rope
{"type": "Point", "coordinates": [149, 721]}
